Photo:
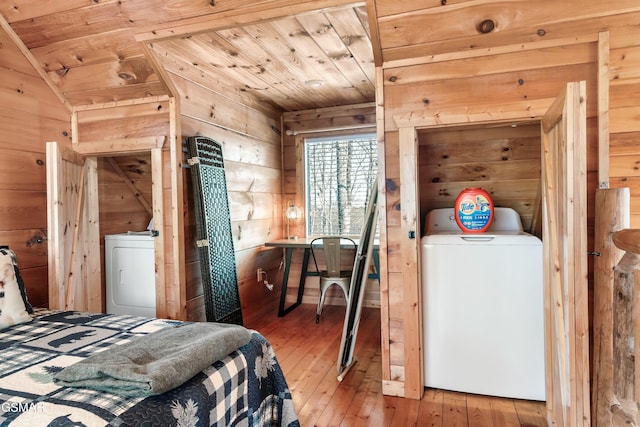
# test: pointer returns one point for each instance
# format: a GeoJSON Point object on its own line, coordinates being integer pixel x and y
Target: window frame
{"type": "Point", "coordinates": [355, 133]}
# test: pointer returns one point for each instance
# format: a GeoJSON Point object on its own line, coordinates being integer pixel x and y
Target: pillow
{"type": "Point", "coordinates": [14, 306]}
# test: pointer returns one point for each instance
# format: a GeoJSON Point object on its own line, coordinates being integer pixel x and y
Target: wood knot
{"type": "Point", "coordinates": [486, 26]}
{"type": "Point", "coordinates": [62, 71]}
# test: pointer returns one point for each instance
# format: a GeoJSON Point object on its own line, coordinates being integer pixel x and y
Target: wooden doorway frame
{"type": "Point", "coordinates": [567, 370]}
{"type": "Point", "coordinates": [411, 385]}
{"type": "Point", "coordinates": [166, 156]}
{"type": "Point", "coordinates": [75, 273]}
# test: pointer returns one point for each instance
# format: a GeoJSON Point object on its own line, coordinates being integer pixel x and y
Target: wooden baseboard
{"type": "Point", "coordinates": [392, 388]}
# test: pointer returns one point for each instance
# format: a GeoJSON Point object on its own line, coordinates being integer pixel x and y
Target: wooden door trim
{"type": "Point", "coordinates": [410, 248]}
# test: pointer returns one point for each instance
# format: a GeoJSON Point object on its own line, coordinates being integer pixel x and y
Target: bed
{"type": "Point", "coordinates": [247, 387]}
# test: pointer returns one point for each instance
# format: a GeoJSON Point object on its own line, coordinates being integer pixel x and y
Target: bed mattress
{"type": "Point", "coordinates": [247, 387]}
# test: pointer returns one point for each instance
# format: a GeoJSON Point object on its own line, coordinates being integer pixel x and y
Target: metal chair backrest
{"type": "Point", "coordinates": [332, 247]}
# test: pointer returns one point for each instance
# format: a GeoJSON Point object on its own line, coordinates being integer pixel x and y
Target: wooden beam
{"type": "Point", "coordinates": [361, 128]}
{"type": "Point", "coordinates": [54, 224]}
{"type": "Point", "coordinates": [374, 31]}
{"type": "Point", "coordinates": [490, 51]}
{"type": "Point", "coordinates": [122, 103]}
{"type": "Point", "coordinates": [161, 72]}
{"type": "Point", "coordinates": [603, 109]}
{"type": "Point", "coordinates": [130, 185]}
{"type": "Point", "coordinates": [93, 259]}
{"type": "Point", "coordinates": [356, 116]}
{"type": "Point", "coordinates": [109, 147]}
{"type": "Point", "coordinates": [157, 189]}
{"type": "Point", "coordinates": [124, 112]}
{"type": "Point", "coordinates": [479, 114]}
{"type": "Point", "coordinates": [178, 280]}
{"type": "Point", "coordinates": [385, 321]}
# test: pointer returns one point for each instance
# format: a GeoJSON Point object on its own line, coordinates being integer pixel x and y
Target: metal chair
{"type": "Point", "coordinates": [332, 248]}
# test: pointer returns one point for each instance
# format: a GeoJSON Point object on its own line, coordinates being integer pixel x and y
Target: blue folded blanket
{"type": "Point", "coordinates": [157, 362]}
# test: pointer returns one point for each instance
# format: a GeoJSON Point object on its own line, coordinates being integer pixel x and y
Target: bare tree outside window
{"type": "Point", "coordinates": [340, 172]}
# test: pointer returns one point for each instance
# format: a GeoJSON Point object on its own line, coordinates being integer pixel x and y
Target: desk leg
{"type": "Point", "coordinates": [303, 274]}
{"type": "Point", "coordinates": [285, 280]}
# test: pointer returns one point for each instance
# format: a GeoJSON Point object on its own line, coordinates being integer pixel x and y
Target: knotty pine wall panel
{"type": "Point", "coordinates": [120, 210]}
{"type": "Point", "coordinates": [250, 142]}
{"type": "Point", "coordinates": [480, 93]}
{"type": "Point", "coordinates": [30, 115]}
{"type": "Point", "coordinates": [503, 160]}
{"type": "Point", "coordinates": [423, 34]}
{"type": "Point", "coordinates": [624, 118]}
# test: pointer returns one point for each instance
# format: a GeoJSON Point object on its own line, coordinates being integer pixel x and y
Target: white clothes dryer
{"type": "Point", "coordinates": [130, 274]}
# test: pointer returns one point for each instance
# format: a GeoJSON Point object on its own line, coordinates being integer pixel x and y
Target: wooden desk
{"type": "Point", "coordinates": [304, 243]}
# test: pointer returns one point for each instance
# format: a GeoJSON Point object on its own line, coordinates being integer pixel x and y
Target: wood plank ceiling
{"type": "Point", "coordinates": [90, 49]}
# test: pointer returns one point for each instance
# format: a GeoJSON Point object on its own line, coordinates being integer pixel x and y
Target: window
{"type": "Point", "coordinates": [340, 172]}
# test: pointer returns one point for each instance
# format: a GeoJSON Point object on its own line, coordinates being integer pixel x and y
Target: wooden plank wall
{"type": "Point", "coordinates": [506, 165]}
{"type": "Point", "coordinates": [120, 209]}
{"type": "Point", "coordinates": [443, 73]}
{"type": "Point", "coordinates": [250, 141]}
{"type": "Point", "coordinates": [297, 126]}
{"type": "Point", "coordinates": [30, 115]}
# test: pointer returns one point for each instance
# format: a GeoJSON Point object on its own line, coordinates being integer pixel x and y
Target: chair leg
{"type": "Point", "coordinates": [345, 291]}
{"type": "Point", "coordinates": [323, 293]}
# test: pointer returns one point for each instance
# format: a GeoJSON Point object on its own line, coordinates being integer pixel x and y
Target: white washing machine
{"type": "Point", "coordinates": [483, 307]}
{"type": "Point", "coordinates": [130, 274]}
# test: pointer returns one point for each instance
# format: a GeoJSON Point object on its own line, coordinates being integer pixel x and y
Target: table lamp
{"type": "Point", "coordinates": [292, 212]}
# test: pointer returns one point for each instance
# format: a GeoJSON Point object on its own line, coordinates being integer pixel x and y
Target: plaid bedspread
{"type": "Point", "coordinates": [247, 388]}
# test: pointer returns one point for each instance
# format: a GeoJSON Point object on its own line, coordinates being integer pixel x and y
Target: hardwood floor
{"type": "Point", "coordinates": [308, 354]}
